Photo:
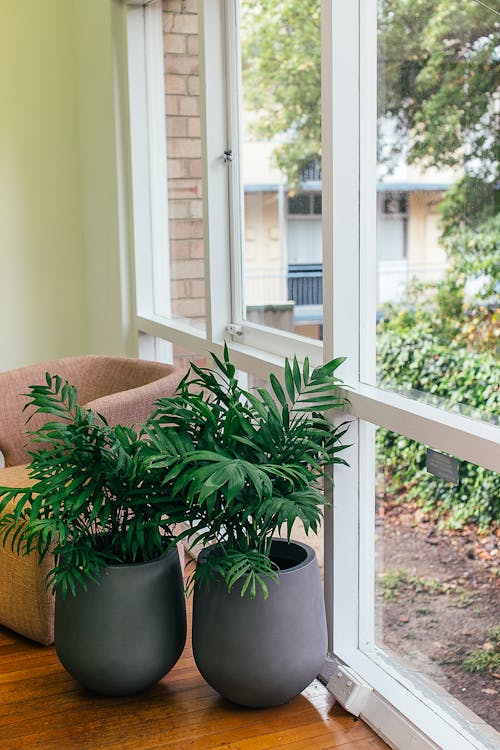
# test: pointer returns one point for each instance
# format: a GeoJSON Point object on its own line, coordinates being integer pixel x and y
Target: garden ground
{"type": "Point", "coordinates": [438, 603]}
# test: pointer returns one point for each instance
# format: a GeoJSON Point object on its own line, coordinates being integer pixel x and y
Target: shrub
{"type": "Point", "coordinates": [411, 358]}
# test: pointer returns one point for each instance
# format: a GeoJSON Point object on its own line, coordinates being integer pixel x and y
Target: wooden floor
{"type": "Point", "coordinates": [42, 708]}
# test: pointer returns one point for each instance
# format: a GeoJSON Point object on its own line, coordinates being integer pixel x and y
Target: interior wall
{"type": "Point", "coordinates": [42, 311]}
{"type": "Point", "coordinates": [100, 34]}
{"type": "Point", "coordinates": [65, 286]}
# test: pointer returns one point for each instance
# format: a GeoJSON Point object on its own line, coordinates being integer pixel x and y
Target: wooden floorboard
{"type": "Point", "coordinates": [43, 708]}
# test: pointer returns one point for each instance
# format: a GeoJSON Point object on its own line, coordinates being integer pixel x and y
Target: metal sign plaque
{"type": "Point", "coordinates": [442, 466]}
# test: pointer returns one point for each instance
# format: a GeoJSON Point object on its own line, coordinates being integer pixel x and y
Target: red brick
{"type": "Point", "coordinates": [179, 249]}
{"type": "Point", "coordinates": [184, 188]}
{"type": "Point", "coordinates": [168, 22]}
{"type": "Point", "coordinates": [196, 209]}
{"type": "Point", "coordinates": [177, 168]}
{"type": "Point", "coordinates": [193, 85]}
{"type": "Point", "coordinates": [179, 210]}
{"type": "Point", "coordinates": [172, 104]}
{"type": "Point", "coordinates": [193, 45]}
{"type": "Point", "coordinates": [185, 24]}
{"type": "Point", "coordinates": [194, 127]}
{"type": "Point", "coordinates": [189, 105]}
{"type": "Point", "coordinates": [194, 167]}
{"type": "Point", "coordinates": [185, 230]}
{"type": "Point", "coordinates": [197, 249]}
{"type": "Point", "coordinates": [197, 288]}
{"type": "Point", "coordinates": [183, 147]}
{"type": "Point", "coordinates": [190, 308]}
{"type": "Point", "coordinates": [177, 43]}
{"type": "Point", "coordinates": [190, 6]}
{"type": "Point", "coordinates": [172, 6]}
{"type": "Point", "coordinates": [181, 64]}
{"type": "Point", "coordinates": [175, 84]}
{"type": "Point", "coordinates": [178, 289]}
{"type": "Point", "coordinates": [177, 127]}
{"type": "Point", "coordinates": [188, 269]}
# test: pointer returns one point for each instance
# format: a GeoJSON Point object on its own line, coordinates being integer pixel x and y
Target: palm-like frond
{"type": "Point", "coordinates": [94, 499]}
{"type": "Point", "coordinates": [248, 462]}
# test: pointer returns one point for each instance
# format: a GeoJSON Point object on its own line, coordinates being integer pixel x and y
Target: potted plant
{"type": "Point", "coordinates": [249, 464]}
{"type": "Point", "coordinates": [120, 621]}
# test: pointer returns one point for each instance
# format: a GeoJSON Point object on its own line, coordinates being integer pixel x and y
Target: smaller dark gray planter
{"type": "Point", "coordinates": [263, 652]}
{"type": "Point", "coordinates": [128, 630]}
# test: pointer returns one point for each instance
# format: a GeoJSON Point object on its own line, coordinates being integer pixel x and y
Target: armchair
{"type": "Point", "coordinates": [124, 391]}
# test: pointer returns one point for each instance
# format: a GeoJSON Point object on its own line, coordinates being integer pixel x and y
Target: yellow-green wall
{"type": "Point", "coordinates": [64, 284]}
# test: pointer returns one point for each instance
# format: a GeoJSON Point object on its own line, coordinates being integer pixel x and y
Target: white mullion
{"type": "Point", "coordinates": [327, 173]}
{"type": "Point", "coordinates": [343, 275]}
{"type": "Point", "coordinates": [247, 358]}
{"type": "Point", "coordinates": [465, 438]}
{"type": "Point", "coordinates": [340, 74]}
{"type": "Point", "coordinates": [367, 569]}
{"type": "Point", "coordinates": [367, 189]}
{"type": "Point", "coordinates": [155, 92]}
{"type": "Point", "coordinates": [235, 143]}
{"type": "Point", "coordinates": [280, 343]}
{"type": "Point", "coordinates": [139, 145]}
{"type": "Point", "coordinates": [215, 170]}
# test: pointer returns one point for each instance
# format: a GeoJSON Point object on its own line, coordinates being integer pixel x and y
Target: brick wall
{"type": "Point", "coordinates": [182, 103]}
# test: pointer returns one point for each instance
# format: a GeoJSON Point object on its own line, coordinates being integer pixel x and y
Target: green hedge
{"type": "Point", "coordinates": [410, 358]}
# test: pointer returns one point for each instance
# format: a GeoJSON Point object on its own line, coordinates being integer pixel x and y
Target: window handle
{"type": "Point", "coordinates": [227, 156]}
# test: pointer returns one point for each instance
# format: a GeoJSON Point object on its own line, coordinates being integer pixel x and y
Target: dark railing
{"type": "Point", "coordinates": [305, 283]}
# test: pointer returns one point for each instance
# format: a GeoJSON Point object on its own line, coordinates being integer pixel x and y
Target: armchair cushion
{"type": "Point", "coordinates": [25, 604]}
{"type": "Point", "coordinates": [122, 389]}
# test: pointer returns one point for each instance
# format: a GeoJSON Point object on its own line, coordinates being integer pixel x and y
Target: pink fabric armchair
{"type": "Point", "coordinates": [124, 391]}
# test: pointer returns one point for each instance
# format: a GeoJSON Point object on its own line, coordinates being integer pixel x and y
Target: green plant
{"type": "Point", "coordinates": [394, 581]}
{"type": "Point", "coordinates": [247, 463]}
{"type": "Point", "coordinates": [93, 500]}
{"type": "Point", "coordinates": [486, 658]}
{"type": "Point", "coordinates": [413, 357]}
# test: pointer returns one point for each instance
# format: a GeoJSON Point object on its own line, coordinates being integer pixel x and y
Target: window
{"type": "Point", "coordinates": [258, 215]}
{"type": "Point", "coordinates": [280, 168]}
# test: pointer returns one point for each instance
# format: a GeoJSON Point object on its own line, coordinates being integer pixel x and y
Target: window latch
{"type": "Point", "coordinates": [234, 330]}
{"type": "Point", "coordinates": [227, 156]}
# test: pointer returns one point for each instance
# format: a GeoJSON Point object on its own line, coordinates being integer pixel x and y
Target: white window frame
{"type": "Point", "coordinates": [396, 708]}
{"type": "Point", "coordinates": [399, 705]}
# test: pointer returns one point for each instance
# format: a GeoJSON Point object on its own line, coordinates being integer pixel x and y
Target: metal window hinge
{"type": "Point", "coordinates": [348, 688]}
{"type": "Point", "coordinates": [234, 330]}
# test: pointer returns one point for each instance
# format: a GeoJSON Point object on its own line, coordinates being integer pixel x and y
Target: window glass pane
{"type": "Point", "coordinates": [437, 603]}
{"type": "Point", "coordinates": [182, 358]}
{"type": "Point", "coordinates": [438, 221]}
{"type": "Point", "coordinates": [299, 204]}
{"type": "Point", "coordinates": [281, 165]}
{"type": "Point", "coordinates": [185, 285]}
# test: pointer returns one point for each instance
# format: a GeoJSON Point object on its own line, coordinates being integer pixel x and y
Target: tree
{"type": "Point", "coordinates": [440, 71]}
{"type": "Point", "coordinates": [441, 60]}
{"type": "Point", "coordinates": [282, 78]}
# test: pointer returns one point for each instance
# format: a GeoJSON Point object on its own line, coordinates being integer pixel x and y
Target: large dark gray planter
{"type": "Point", "coordinates": [263, 652]}
{"type": "Point", "coordinates": [128, 630]}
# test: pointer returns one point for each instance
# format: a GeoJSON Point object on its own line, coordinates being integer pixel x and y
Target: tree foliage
{"type": "Point", "coordinates": [282, 78]}
{"type": "Point", "coordinates": [440, 61]}
{"type": "Point", "coordinates": [438, 83]}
